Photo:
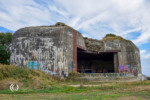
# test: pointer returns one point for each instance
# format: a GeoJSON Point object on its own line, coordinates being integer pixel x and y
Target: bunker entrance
{"type": "Point", "coordinates": [95, 62]}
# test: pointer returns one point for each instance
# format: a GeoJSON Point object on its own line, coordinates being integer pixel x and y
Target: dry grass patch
{"type": "Point", "coordinates": [138, 88]}
{"type": "Point", "coordinates": [24, 77]}
{"type": "Point", "coordinates": [131, 98]}
{"type": "Point", "coordinates": [113, 37]}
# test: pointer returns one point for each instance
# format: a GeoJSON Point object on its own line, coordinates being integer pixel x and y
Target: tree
{"type": "Point", "coordinates": [5, 40]}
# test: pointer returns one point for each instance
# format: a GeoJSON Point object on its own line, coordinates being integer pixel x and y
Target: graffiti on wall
{"type": "Point", "coordinates": [124, 68]}
{"type": "Point", "coordinates": [41, 53]}
{"type": "Point", "coordinates": [33, 65]}
{"type": "Point", "coordinates": [71, 65]}
{"type": "Point", "coordinates": [115, 74]}
{"type": "Point", "coordinates": [46, 69]}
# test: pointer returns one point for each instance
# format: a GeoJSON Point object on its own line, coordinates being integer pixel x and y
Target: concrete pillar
{"type": "Point", "coordinates": [116, 62]}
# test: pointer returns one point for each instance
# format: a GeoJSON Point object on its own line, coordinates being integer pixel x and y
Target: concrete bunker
{"type": "Point", "coordinates": [59, 49]}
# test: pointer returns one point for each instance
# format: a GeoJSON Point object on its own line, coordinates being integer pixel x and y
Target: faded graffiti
{"type": "Point", "coordinates": [124, 68]}
{"type": "Point", "coordinates": [40, 53]}
{"type": "Point", "coordinates": [115, 74]}
{"type": "Point", "coordinates": [33, 65]}
{"type": "Point", "coordinates": [46, 69]}
{"type": "Point", "coordinates": [71, 65]}
{"type": "Point", "coordinates": [134, 71]}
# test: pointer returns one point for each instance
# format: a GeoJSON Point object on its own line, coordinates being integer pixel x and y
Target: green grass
{"type": "Point", "coordinates": [89, 94]}
{"type": "Point", "coordinates": [104, 91]}
{"type": "Point", "coordinates": [54, 89]}
{"type": "Point", "coordinates": [36, 85]}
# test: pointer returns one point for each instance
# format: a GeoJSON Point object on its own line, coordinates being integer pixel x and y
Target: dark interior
{"type": "Point", "coordinates": [89, 62]}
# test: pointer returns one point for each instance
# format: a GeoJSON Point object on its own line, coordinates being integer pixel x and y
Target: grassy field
{"type": "Point", "coordinates": [36, 85]}
{"type": "Point", "coordinates": [99, 91]}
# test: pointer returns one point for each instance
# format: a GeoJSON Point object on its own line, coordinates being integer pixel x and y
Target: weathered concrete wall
{"type": "Point", "coordinates": [80, 41]}
{"type": "Point", "coordinates": [67, 45]}
{"type": "Point", "coordinates": [128, 54]}
{"type": "Point", "coordinates": [45, 48]}
{"type": "Point", "coordinates": [93, 45]}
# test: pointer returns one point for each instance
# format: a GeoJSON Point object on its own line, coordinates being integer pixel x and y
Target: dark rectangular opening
{"type": "Point", "coordinates": [90, 62]}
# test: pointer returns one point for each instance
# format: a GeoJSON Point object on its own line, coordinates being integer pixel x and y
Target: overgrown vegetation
{"type": "Point", "coordinates": [28, 78]}
{"type": "Point", "coordinates": [111, 36]}
{"type": "Point", "coordinates": [73, 76]}
{"type": "Point", "coordinates": [103, 91]}
{"type": "Point", "coordinates": [25, 77]}
{"type": "Point", "coordinates": [5, 40]}
{"type": "Point", "coordinates": [59, 24]}
{"type": "Point", "coordinates": [35, 82]}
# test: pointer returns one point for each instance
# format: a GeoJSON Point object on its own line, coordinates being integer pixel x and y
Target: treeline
{"type": "Point", "coordinates": [5, 40]}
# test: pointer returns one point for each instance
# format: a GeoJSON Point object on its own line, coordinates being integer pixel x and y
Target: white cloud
{"type": "Point", "coordinates": [130, 30]}
{"type": "Point", "coordinates": [145, 60]}
{"type": "Point", "coordinates": [96, 18]}
{"type": "Point", "coordinates": [143, 51]}
{"type": "Point", "coordinates": [99, 17]}
{"type": "Point", "coordinates": [145, 54]}
{"type": "Point", "coordinates": [146, 66]}
{"type": "Point", "coordinates": [144, 37]}
{"type": "Point", "coordinates": [59, 11]}
{"type": "Point", "coordinates": [21, 13]}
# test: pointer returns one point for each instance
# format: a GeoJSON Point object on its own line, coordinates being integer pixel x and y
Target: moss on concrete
{"type": "Point", "coordinates": [113, 37]}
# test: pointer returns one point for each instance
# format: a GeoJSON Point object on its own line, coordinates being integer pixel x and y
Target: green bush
{"type": "Point", "coordinates": [110, 35]}
{"type": "Point", "coordinates": [5, 40]}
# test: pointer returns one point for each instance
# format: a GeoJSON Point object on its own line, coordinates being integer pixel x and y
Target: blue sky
{"type": "Point", "coordinates": [3, 29]}
{"type": "Point", "coordinates": [94, 18]}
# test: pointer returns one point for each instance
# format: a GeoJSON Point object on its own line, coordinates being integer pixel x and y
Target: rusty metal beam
{"type": "Point", "coordinates": [74, 52]}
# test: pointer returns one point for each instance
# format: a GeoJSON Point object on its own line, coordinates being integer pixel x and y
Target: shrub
{"type": "Point", "coordinates": [110, 35]}
{"type": "Point", "coordinates": [5, 40]}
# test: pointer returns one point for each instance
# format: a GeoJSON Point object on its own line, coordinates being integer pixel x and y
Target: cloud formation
{"type": "Point", "coordinates": [145, 54]}
{"type": "Point", "coordinates": [94, 18]}
{"type": "Point", "coordinates": [121, 17]}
